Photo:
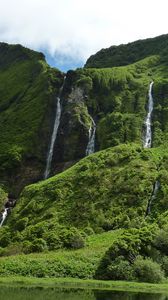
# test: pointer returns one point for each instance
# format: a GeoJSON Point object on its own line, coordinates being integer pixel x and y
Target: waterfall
{"type": "Point", "coordinates": [9, 205]}
{"type": "Point", "coordinates": [4, 215]}
{"type": "Point", "coordinates": [148, 144]}
{"type": "Point", "coordinates": [91, 143]}
{"type": "Point", "coordinates": [54, 133]}
{"type": "Point", "coordinates": [153, 196]}
{"type": "Point", "coordinates": [148, 134]}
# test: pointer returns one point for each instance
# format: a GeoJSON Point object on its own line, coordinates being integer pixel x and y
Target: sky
{"type": "Point", "coordinates": [69, 31]}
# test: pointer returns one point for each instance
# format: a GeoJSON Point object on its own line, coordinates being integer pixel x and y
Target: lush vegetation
{"type": "Point", "coordinates": [79, 263]}
{"type": "Point", "coordinates": [3, 198]}
{"type": "Point", "coordinates": [133, 255]}
{"type": "Point", "coordinates": [117, 100]}
{"type": "Point", "coordinates": [27, 89]}
{"type": "Point", "coordinates": [115, 97]}
{"type": "Point", "coordinates": [127, 54]}
{"type": "Point", "coordinates": [92, 220]}
{"type": "Point", "coordinates": [104, 191]}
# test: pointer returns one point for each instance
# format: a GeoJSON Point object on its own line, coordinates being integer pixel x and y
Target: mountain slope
{"type": "Point", "coordinates": [116, 98]}
{"type": "Point", "coordinates": [27, 93]}
{"type": "Point", "coordinates": [108, 190]}
{"type": "Point", "coordinates": [126, 54]}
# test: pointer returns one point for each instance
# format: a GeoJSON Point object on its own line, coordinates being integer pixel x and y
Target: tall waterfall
{"type": "Point", "coordinates": [54, 134]}
{"type": "Point", "coordinates": [91, 143]}
{"type": "Point", "coordinates": [153, 196]}
{"type": "Point", "coordinates": [4, 215]}
{"type": "Point", "coordinates": [148, 134]}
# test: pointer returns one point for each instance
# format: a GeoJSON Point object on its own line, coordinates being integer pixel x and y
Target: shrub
{"type": "Point", "coordinates": [38, 245]}
{"type": "Point", "coordinates": [12, 249]}
{"type": "Point", "coordinates": [73, 239]}
{"type": "Point", "coordinates": [161, 241]}
{"type": "Point", "coordinates": [27, 247]}
{"type": "Point", "coordinates": [35, 231]}
{"type": "Point", "coordinates": [5, 236]}
{"type": "Point", "coordinates": [164, 265]}
{"type": "Point", "coordinates": [146, 270]}
{"type": "Point", "coordinates": [88, 231]}
{"type": "Point", "coordinates": [85, 82]}
{"type": "Point", "coordinates": [3, 198]}
{"type": "Point", "coordinates": [53, 240]}
{"type": "Point", "coordinates": [21, 224]}
{"type": "Point", "coordinates": [120, 269]}
{"type": "Point", "coordinates": [127, 246]}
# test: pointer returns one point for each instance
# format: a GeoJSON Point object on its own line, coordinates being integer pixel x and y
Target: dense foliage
{"type": "Point", "coordinates": [26, 101]}
{"type": "Point", "coordinates": [127, 54]}
{"type": "Point", "coordinates": [94, 216]}
{"type": "Point", "coordinates": [3, 198]}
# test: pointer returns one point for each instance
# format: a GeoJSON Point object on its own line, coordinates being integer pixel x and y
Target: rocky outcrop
{"type": "Point", "coordinates": [73, 131]}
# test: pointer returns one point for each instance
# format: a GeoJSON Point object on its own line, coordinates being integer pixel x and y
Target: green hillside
{"type": "Point", "coordinates": [26, 102]}
{"type": "Point", "coordinates": [127, 54]}
{"type": "Point", "coordinates": [98, 193]}
{"type": "Point", "coordinates": [101, 216]}
{"type": "Point", "coordinates": [117, 99]}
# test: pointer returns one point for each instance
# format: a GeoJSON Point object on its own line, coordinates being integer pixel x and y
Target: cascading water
{"type": "Point", "coordinates": [148, 134]}
{"type": "Point", "coordinates": [153, 196]}
{"type": "Point", "coordinates": [148, 144]}
{"type": "Point", "coordinates": [91, 143]}
{"type": "Point", "coordinates": [9, 205]}
{"type": "Point", "coordinates": [4, 215]}
{"type": "Point", "coordinates": [54, 134]}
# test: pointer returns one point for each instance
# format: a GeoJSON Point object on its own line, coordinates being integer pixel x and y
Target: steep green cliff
{"type": "Point", "coordinates": [27, 103]}
{"type": "Point", "coordinates": [115, 97]}
{"type": "Point", "coordinates": [117, 100]}
{"type": "Point", "coordinates": [106, 191]}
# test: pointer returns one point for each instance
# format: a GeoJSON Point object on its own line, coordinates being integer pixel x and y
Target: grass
{"type": "Point", "coordinates": [84, 284]}
{"type": "Point", "coordinates": [80, 263]}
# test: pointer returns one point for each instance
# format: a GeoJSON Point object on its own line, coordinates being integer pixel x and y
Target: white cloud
{"type": "Point", "coordinates": [79, 28]}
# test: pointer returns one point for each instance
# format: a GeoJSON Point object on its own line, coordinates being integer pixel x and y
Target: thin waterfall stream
{"type": "Point", "coordinates": [153, 196]}
{"type": "Point", "coordinates": [91, 143]}
{"type": "Point", "coordinates": [9, 205]}
{"type": "Point", "coordinates": [148, 143]}
{"type": "Point", "coordinates": [54, 133]}
{"type": "Point", "coordinates": [4, 215]}
{"type": "Point", "coordinates": [148, 121]}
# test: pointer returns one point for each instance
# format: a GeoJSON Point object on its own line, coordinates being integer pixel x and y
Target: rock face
{"type": "Point", "coordinates": [73, 132]}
